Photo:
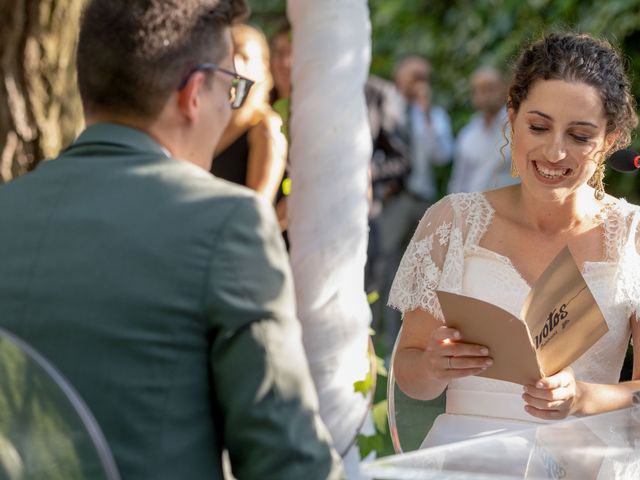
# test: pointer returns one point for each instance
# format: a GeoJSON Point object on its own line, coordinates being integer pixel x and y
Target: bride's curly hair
{"type": "Point", "coordinates": [580, 58]}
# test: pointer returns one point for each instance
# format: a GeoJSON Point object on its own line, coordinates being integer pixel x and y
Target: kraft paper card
{"type": "Point", "coordinates": [559, 321]}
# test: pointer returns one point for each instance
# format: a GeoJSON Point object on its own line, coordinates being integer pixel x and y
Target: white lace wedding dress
{"type": "Point", "coordinates": [446, 253]}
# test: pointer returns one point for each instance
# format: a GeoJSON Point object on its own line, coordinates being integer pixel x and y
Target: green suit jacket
{"type": "Point", "coordinates": [164, 296]}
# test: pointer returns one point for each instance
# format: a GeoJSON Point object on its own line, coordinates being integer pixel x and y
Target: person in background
{"type": "Point", "coordinates": [279, 98]}
{"type": "Point", "coordinates": [253, 149]}
{"type": "Point", "coordinates": [389, 168]}
{"type": "Point", "coordinates": [429, 144]}
{"type": "Point", "coordinates": [163, 294]}
{"type": "Point", "coordinates": [482, 154]}
{"type": "Point", "coordinates": [430, 130]}
{"type": "Point", "coordinates": [569, 105]}
{"type": "Point", "coordinates": [281, 54]}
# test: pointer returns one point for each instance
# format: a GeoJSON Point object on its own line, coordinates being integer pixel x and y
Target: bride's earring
{"type": "Point", "coordinates": [514, 169]}
{"type": "Point", "coordinates": [597, 180]}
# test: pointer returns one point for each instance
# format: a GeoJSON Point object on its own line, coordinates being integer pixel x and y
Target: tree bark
{"type": "Point", "coordinates": [40, 110]}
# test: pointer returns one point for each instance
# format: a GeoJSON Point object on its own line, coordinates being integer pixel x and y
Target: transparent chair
{"type": "Point", "coordinates": [46, 430]}
{"type": "Point", "coordinates": [409, 419]}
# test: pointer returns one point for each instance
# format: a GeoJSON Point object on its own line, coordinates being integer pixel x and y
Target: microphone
{"type": "Point", "coordinates": [624, 160]}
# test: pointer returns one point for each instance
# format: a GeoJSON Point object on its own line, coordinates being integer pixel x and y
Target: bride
{"type": "Point", "coordinates": [569, 106]}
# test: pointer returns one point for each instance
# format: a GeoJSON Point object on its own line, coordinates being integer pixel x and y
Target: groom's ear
{"type": "Point", "coordinates": [188, 100]}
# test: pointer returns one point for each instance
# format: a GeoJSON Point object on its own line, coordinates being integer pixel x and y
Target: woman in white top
{"type": "Point", "coordinates": [569, 106]}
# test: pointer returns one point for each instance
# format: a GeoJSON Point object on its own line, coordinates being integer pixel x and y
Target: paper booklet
{"type": "Point", "coordinates": [559, 321]}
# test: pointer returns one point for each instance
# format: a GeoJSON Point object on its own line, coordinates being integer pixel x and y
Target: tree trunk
{"type": "Point", "coordinates": [330, 156]}
{"type": "Point", "coordinates": [40, 109]}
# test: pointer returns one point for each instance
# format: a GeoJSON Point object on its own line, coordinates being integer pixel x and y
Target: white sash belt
{"type": "Point", "coordinates": [503, 405]}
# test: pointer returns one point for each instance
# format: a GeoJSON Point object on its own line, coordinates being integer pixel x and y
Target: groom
{"type": "Point", "coordinates": [161, 293]}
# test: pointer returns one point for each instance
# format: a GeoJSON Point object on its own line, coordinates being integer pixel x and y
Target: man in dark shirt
{"type": "Point", "coordinates": [390, 164]}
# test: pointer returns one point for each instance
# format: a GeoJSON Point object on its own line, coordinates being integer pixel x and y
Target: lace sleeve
{"type": "Point", "coordinates": [420, 271]}
{"type": "Point", "coordinates": [637, 232]}
{"type": "Point", "coordinates": [634, 286]}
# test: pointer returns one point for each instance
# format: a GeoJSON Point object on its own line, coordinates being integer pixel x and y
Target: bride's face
{"type": "Point", "coordinates": [559, 135]}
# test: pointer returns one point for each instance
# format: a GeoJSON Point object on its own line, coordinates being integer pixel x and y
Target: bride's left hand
{"type": "Point", "coordinates": [552, 398]}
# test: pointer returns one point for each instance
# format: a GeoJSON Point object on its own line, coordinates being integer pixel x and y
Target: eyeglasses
{"type": "Point", "coordinates": [240, 85]}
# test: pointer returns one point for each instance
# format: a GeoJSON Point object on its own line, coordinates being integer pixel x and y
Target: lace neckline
{"type": "Point", "coordinates": [605, 210]}
{"type": "Point", "coordinates": [603, 217]}
{"type": "Point", "coordinates": [506, 262]}
{"type": "Point", "coordinates": [435, 257]}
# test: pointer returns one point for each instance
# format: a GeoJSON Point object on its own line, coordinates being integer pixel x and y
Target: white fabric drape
{"type": "Point", "coordinates": [330, 155]}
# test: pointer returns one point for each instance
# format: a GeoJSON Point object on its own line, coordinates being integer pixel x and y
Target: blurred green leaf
{"type": "Point", "coordinates": [373, 297]}
{"type": "Point", "coordinates": [364, 386]}
{"type": "Point", "coordinates": [368, 444]}
{"type": "Point", "coordinates": [282, 106]}
{"type": "Point", "coordinates": [381, 369]}
{"type": "Point", "coordinates": [380, 416]}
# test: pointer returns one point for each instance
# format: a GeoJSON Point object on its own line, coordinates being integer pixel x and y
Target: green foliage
{"type": "Point", "coordinates": [380, 441]}
{"type": "Point", "coordinates": [368, 444]}
{"type": "Point", "coordinates": [381, 369]}
{"type": "Point", "coordinates": [375, 384]}
{"type": "Point", "coordinates": [268, 14]}
{"type": "Point", "coordinates": [460, 35]}
{"type": "Point", "coordinates": [382, 444]}
{"type": "Point", "coordinates": [364, 386]}
{"type": "Point", "coordinates": [376, 442]}
{"type": "Point", "coordinates": [380, 416]}
{"type": "Point", "coordinates": [373, 297]}
{"type": "Point", "coordinates": [282, 108]}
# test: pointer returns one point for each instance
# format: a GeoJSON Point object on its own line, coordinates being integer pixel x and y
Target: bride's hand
{"type": "Point", "coordinates": [552, 398]}
{"type": "Point", "coordinates": [449, 357]}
